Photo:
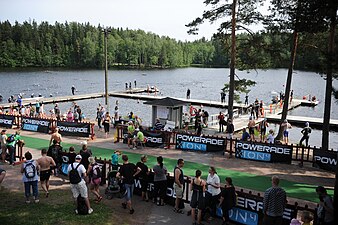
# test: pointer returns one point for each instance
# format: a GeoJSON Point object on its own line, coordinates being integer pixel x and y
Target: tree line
{"type": "Point", "coordinates": [75, 45]}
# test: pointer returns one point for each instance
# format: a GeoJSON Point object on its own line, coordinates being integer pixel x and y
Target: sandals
{"type": "Point", "coordinates": [98, 199]}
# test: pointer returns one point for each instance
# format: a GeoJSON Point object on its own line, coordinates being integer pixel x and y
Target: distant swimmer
{"type": "Point", "coordinates": [73, 89]}
{"type": "Point", "coordinates": [135, 83]}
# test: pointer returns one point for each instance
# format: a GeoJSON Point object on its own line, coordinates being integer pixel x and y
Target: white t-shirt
{"type": "Point", "coordinates": [270, 139]}
{"type": "Point", "coordinates": [213, 180]}
{"type": "Point", "coordinates": [81, 169]}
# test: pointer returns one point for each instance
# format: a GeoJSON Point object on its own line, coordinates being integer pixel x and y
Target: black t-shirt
{"type": "Point", "coordinates": [71, 157]}
{"type": "Point", "coordinates": [144, 169]}
{"type": "Point", "coordinates": [127, 171]}
{"type": "Point", "coordinates": [85, 155]}
{"type": "Point", "coordinates": [229, 195]}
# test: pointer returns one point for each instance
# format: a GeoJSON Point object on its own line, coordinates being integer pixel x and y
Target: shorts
{"type": "Point", "coordinates": [251, 130]}
{"type": "Point", "coordinates": [263, 131]}
{"type": "Point", "coordinates": [96, 181]}
{"type": "Point", "coordinates": [44, 175]}
{"type": "Point", "coordinates": [130, 189]}
{"type": "Point", "coordinates": [79, 189]}
{"type": "Point", "coordinates": [230, 135]}
{"type": "Point", "coordinates": [286, 133]}
{"type": "Point", "coordinates": [178, 190]}
{"type": "Point", "coordinates": [106, 127]}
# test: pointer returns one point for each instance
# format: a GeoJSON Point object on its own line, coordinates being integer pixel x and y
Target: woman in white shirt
{"type": "Point", "coordinates": [214, 191]}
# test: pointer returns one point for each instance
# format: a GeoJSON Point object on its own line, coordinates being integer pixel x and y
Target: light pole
{"type": "Point", "coordinates": [106, 31]}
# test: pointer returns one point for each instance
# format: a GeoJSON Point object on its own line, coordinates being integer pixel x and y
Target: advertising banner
{"type": "Point", "coordinates": [6, 120]}
{"type": "Point", "coordinates": [199, 143]}
{"type": "Point", "coordinates": [263, 152]}
{"type": "Point", "coordinates": [249, 210]}
{"type": "Point", "coordinates": [154, 139]}
{"type": "Point", "coordinates": [326, 160]}
{"type": "Point", "coordinates": [74, 129]}
{"type": "Point", "coordinates": [35, 124]}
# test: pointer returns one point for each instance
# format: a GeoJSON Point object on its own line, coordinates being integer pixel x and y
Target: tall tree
{"type": "Point", "coordinates": [237, 14]}
{"type": "Point", "coordinates": [297, 16]}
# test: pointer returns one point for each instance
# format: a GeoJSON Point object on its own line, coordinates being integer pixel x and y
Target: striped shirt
{"type": "Point", "coordinates": [274, 201]}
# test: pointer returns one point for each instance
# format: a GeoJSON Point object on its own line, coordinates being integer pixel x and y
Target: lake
{"type": "Point", "coordinates": [204, 83]}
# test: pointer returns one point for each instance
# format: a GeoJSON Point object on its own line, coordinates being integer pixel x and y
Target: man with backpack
{"type": "Point", "coordinates": [76, 173]}
{"type": "Point", "coordinates": [29, 170]}
{"type": "Point", "coordinates": [11, 144]}
{"type": "Point", "coordinates": [55, 151]}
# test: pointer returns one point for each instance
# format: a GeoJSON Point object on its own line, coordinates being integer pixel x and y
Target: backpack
{"type": "Point", "coordinates": [10, 138]}
{"type": "Point", "coordinates": [30, 170]}
{"type": "Point", "coordinates": [96, 171]}
{"type": "Point", "coordinates": [82, 208]}
{"type": "Point", "coordinates": [74, 176]}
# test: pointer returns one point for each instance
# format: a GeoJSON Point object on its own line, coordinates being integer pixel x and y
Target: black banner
{"type": "Point", "coordinates": [74, 129]}
{"type": "Point", "coordinates": [35, 124]}
{"type": "Point", "coordinates": [326, 160]}
{"type": "Point", "coordinates": [154, 139]}
{"type": "Point", "coordinates": [6, 120]}
{"type": "Point", "coordinates": [263, 152]}
{"type": "Point", "coordinates": [199, 143]}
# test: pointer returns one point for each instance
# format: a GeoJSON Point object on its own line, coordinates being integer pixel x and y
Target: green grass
{"type": "Point", "coordinates": [57, 209]}
{"type": "Point", "coordinates": [241, 179]}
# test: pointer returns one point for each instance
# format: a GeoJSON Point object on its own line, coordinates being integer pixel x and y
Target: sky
{"type": "Point", "coordinates": [162, 17]}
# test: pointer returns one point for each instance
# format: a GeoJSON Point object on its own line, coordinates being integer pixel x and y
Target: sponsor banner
{"type": "Point", "coordinates": [35, 124]}
{"type": "Point", "coordinates": [154, 139]}
{"type": "Point", "coordinates": [263, 152]}
{"type": "Point", "coordinates": [326, 160]}
{"type": "Point", "coordinates": [249, 210]}
{"type": "Point", "coordinates": [6, 120]}
{"type": "Point", "coordinates": [199, 143]}
{"type": "Point", "coordinates": [74, 129]}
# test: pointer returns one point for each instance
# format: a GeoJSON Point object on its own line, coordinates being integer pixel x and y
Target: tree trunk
{"type": "Point", "coordinates": [288, 83]}
{"type": "Point", "coordinates": [232, 61]}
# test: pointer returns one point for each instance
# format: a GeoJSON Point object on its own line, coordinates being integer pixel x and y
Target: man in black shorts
{"type": "Point", "coordinates": [45, 163]}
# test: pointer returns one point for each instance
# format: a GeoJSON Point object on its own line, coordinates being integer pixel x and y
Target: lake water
{"type": "Point", "coordinates": [204, 83]}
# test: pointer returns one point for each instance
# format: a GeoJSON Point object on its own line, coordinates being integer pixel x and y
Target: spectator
{"type": "Point", "coordinates": [286, 126]}
{"type": "Point", "coordinates": [106, 123]}
{"type": "Point", "coordinates": [11, 142]}
{"type": "Point", "coordinates": [245, 135]}
{"type": "Point", "coordinates": [270, 139]}
{"type": "Point", "coordinates": [221, 122]}
{"type": "Point", "coordinates": [3, 143]}
{"type": "Point", "coordinates": [214, 191]}
{"type": "Point", "coordinates": [55, 151]}
{"type": "Point", "coordinates": [230, 129]}
{"type": "Point", "coordinates": [143, 177]}
{"type": "Point", "coordinates": [45, 163]}
{"type": "Point", "coordinates": [71, 155]}
{"type": "Point", "coordinates": [205, 116]}
{"type": "Point", "coordinates": [160, 182]}
{"type": "Point", "coordinates": [79, 188]}
{"type": "Point", "coordinates": [131, 130]}
{"type": "Point", "coordinates": [274, 203]}
{"type": "Point", "coordinates": [325, 211]}
{"type": "Point", "coordinates": [306, 218]}
{"type": "Point", "coordinates": [85, 154]}
{"type": "Point", "coordinates": [127, 172]}
{"type": "Point", "coordinates": [158, 125]}
{"type": "Point", "coordinates": [228, 200]}
{"type": "Point", "coordinates": [115, 159]}
{"type": "Point", "coordinates": [138, 139]}
{"type": "Point", "coordinates": [197, 198]}
{"type": "Point", "coordinates": [186, 121]}
{"type": "Point", "coordinates": [94, 172]}
{"type": "Point", "coordinates": [252, 125]}
{"type": "Point", "coordinates": [29, 170]}
{"type": "Point", "coordinates": [178, 184]}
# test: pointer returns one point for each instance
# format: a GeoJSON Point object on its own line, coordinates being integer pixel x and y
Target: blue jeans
{"type": "Point", "coordinates": [34, 185]}
{"type": "Point", "coordinates": [11, 150]}
{"type": "Point", "coordinates": [130, 190]}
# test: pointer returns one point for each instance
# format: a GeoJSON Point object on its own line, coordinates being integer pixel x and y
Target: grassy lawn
{"type": "Point", "coordinates": [241, 179]}
{"type": "Point", "coordinates": [58, 209]}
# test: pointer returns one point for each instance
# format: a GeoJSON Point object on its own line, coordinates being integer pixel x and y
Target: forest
{"type": "Point", "coordinates": [77, 45]}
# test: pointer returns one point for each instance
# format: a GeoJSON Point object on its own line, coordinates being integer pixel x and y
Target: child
{"type": "Point", "coordinates": [306, 218]}
{"type": "Point", "coordinates": [115, 159]}
{"type": "Point", "coordinates": [270, 139]}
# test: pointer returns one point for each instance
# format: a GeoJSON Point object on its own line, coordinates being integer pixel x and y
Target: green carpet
{"type": "Point", "coordinates": [241, 179]}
